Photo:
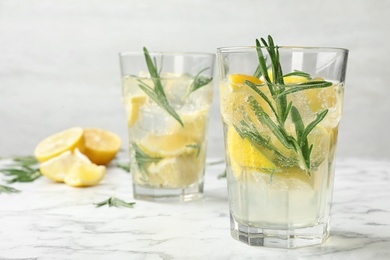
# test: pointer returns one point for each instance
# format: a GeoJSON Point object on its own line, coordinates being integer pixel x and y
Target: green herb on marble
{"type": "Point", "coordinates": [222, 175]}
{"type": "Point", "coordinates": [115, 202]}
{"type": "Point", "coordinates": [124, 166]}
{"type": "Point", "coordinates": [7, 189]}
{"type": "Point", "coordinates": [23, 169]}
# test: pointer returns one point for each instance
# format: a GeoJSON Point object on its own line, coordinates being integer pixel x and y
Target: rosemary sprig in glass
{"type": "Point", "coordinates": [280, 108]}
{"type": "Point", "coordinates": [199, 81]}
{"type": "Point", "coordinates": [157, 93]}
{"type": "Point", "coordinates": [143, 160]}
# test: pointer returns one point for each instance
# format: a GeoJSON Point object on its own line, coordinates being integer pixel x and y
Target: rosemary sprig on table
{"type": "Point", "coordinates": [123, 165]}
{"type": "Point", "coordinates": [279, 106]}
{"type": "Point", "coordinates": [115, 202]}
{"type": "Point", "coordinates": [23, 169]}
{"type": "Point", "coordinates": [7, 189]}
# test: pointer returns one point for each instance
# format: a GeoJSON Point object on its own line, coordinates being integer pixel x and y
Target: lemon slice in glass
{"type": "Point", "coordinates": [243, 153]}
{"type": "Point", "coordinates": [133, 105]}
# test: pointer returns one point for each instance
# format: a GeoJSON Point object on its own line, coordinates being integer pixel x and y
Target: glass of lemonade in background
{"type": "Point", "coordinates": [167, 97]}
{"type": "Point", "coordinates": [280, 107]}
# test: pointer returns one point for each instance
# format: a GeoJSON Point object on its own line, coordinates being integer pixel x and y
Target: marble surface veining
{"type": "Point", "coordinates": [54, 221]}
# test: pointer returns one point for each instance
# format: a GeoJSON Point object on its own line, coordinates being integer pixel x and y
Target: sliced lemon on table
{"type": "Point", "coordinates": [58, 167]}
{"type": "Point", "coordinates": [243, 153]}
{"type": "Point", "coordinates": [75, 169]}
{"type": "Point", "coordinates": [133, 105]}
{"type": "Point", "coordinates": [101, 146]}
{"type": "Point", "coordinates": [82, 174]}
{"type": "Point", "coordinates": [58, 143]}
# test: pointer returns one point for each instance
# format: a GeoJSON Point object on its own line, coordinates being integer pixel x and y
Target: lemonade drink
{"type": "Point", "coordinates": [280, 146]}
{"type": "Point", "coordinates": [168, 149]}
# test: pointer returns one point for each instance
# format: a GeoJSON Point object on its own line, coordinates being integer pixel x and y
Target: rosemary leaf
{"type": "Point", "coordinates": [257, 73]}
{"type": "Point", "coordinates": [258, 91]}
{"type": "Point", "coordinates": [115, 202]}
{"type": "Point", "coordinates": [123, 166]}
{"type": "Point", "coordinates": [222, 175]}
{"type": "Point", "coordinates": [21, 174]}
{"type": "Point", "coordinates": [299, 126]}
{"type": "Point", "coordinates": [158, 95]}
{"type": "Point", "coordinates": [196, 147]}
{"type": "Point", "coordinates": [304, 86]}
{"type": "Point", "coordinates": [298, 73]}
{"type": "Point", "coordinates": [267, 121]}
{"type": "Point", "coordinates": [263, 67]}
{"type": "Point", "coordinates": [301, 139]}
{"type": "Point", "coordinates": [198, 82]}
{"type": "Point", "coordinates": [143, 160]}
{"type": "Point", "coordinates": [7, 189]}
{"type": "Point", "coordinates": [28, 176]}
{"type": "Point", "coordinates": [320, 116]}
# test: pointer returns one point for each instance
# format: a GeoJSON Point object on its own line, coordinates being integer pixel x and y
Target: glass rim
{"type": "Point", "coordinates": [238, 49]}
{"type": "Point", "coordinates": [161, 53]}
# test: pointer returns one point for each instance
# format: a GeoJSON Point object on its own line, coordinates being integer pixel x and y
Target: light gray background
{"type": "Point", "coordinates": [59, 65]}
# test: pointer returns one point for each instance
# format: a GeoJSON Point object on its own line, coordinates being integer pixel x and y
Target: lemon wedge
{"type": "Point", "coordinates": [243, 153]}
{"type": "Point", "coordinates": [58, 143]}
{"type": "Point", "coordinates": [58, 167]}
{"type": "Point", "coordinates": [133, 105]}
{"type": "Point", "coordinates": [83, 174]}
{"type": "Point", "coordinates": [101, 146]}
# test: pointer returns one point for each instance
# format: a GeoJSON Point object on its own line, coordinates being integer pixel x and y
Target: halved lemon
{"type": "Point", "coordinates": [133, 105]}
{"type": "Point", "coordinates": [101, 146]}
{"type": "Point", "coordinates": [58, 143]}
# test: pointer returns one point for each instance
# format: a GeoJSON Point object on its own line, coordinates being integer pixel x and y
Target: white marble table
{"type": "Point", "coordinates": [54, 221]}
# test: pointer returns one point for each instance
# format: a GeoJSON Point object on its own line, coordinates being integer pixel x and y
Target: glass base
{"type": "Point", "coordinates": [190, 193]}
{"type": "Point", "coordinates": [280, 238]}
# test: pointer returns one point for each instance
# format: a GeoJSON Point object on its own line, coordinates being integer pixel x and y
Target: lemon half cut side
{"type": "Point", "coordinates": [58, 143]}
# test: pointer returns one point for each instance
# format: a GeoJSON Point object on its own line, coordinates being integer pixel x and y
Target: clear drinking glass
{"type": "Point", "coordinates": [167, 97]}
{"type": "Point", "coordinates": [280, 140]}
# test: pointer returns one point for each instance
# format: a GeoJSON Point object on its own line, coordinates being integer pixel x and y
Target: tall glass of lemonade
{"type": "Point", "coordinates": [167, 97]}
{"type": "Point", "coordinates": [281, 108]}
